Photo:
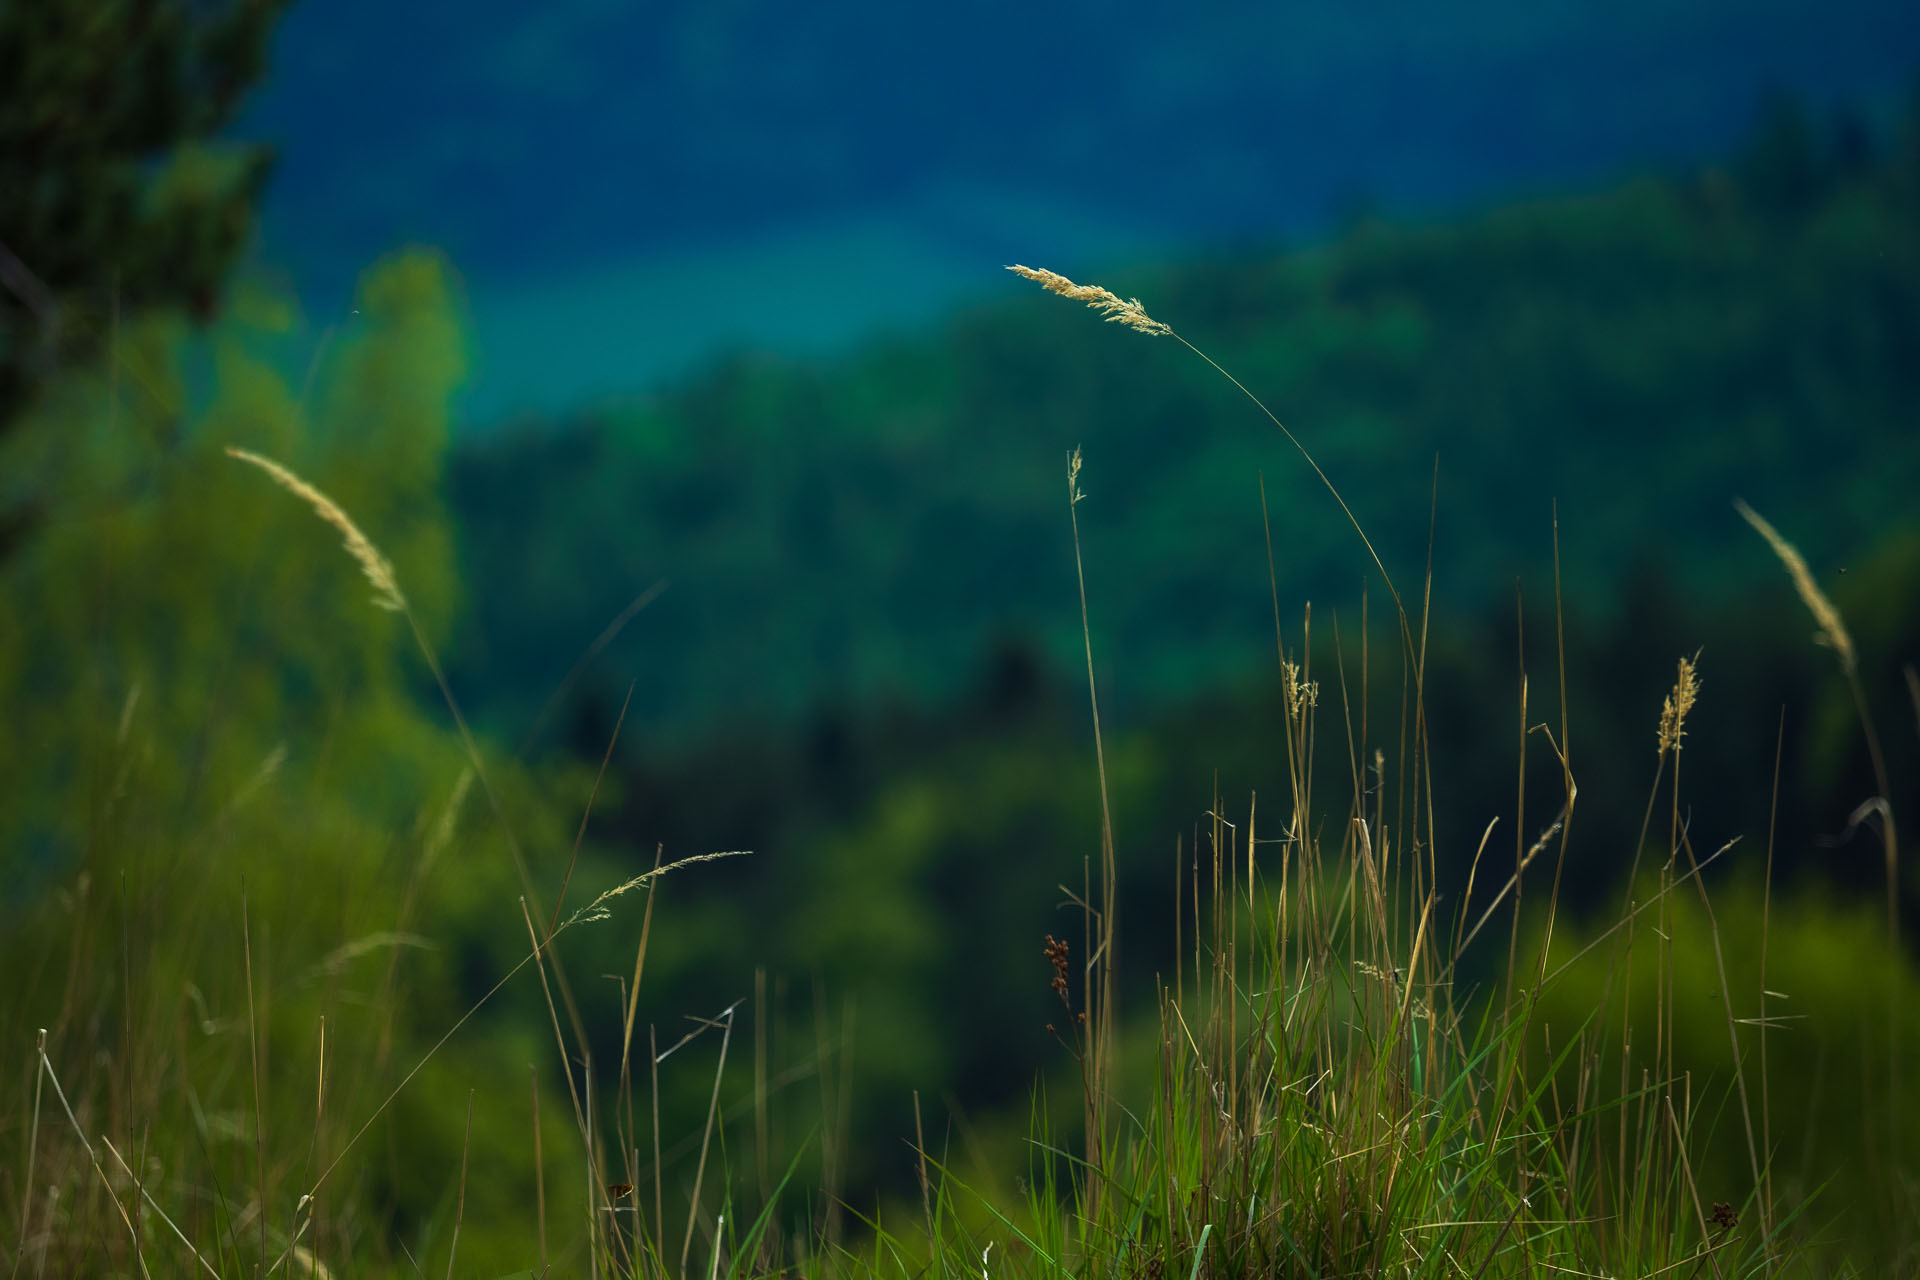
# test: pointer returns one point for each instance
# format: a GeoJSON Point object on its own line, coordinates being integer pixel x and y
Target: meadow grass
{"type": "Point", "coordinates": [1346, 1075]}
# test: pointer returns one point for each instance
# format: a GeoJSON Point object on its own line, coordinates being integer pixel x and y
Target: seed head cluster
{"type": "Point", "coordinates": [1058, 954]}
{"type": "Point", "coordinates": [1126, 311]}
{"type": "Point", "coordinates": [1673, 714]}
{"type": "Point", "coordinates": [1301, 694]}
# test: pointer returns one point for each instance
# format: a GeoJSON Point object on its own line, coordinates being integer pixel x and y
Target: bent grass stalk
{"type": "Point", "coordinates": [1133, 315]}
{"type": "Point", "coordinates": [46, 1066]}
{"type": "Point", "coordinates": [388, 595]}
{"type": "Point", "coordinates": [1833, 633]}
{"type": "Point", "coordinates": [379, 573]}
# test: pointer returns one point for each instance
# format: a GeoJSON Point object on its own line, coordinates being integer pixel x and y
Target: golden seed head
{"type": "Point", "coordinates": [1126, 311]}
{"type": "Point", "coordinates": [386, 588]}
{"type": "Point", "coordinates": [1833, 632]}
{"type": "Point", "coordinates": [1673, 713]}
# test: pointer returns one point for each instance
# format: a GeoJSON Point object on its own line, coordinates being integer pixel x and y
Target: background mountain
{"type": "Point", "coordinates": [630, 190]}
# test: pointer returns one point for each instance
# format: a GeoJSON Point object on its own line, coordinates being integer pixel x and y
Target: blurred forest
{"type": "Point", "coordinates": [862, 665]}
{"type": "Point", "coordinates": [1640, 355]}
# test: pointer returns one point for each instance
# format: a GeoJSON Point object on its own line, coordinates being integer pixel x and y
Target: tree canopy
{"type": "Point", "coordinates": [114, 192]}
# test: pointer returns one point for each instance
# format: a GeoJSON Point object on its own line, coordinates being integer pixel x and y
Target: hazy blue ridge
{"type": "Point", "coordinates": [629, 191]}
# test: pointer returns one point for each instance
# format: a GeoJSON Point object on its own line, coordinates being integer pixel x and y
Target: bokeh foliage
{"type": "Point", "coordinates": [113, 188]}
{"type": "Point", "coordinates": [208, 716]}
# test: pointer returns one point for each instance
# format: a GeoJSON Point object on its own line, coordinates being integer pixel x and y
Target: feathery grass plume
{"type": "Point", "coordinates": [1128, 312]}
{"type": "Point", "coordinates": [1673, 713]}
{"type": "Point", "coordinates": [598, 910]}
{"type": "Point", "coordinates": [1833, 632]}
{"type": "Point", "coordinates": [1133, 314]}
{"type": "Point", "coordinates": [379, 572]}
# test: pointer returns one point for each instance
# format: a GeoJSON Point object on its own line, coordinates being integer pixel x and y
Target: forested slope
{"type": "Point", "coordinates": [1640, 355]}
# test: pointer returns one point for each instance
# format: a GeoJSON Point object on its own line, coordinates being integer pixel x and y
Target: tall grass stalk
{"type": "Point", "coordinates": [1099, 1000]}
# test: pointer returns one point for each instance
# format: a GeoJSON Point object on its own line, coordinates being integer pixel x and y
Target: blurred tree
{"type": "Point", "coordinates": [1780, 165]}
{"type": "Point", "coordinates": [110, 190]}
{"type": "Point", "coordinates": [201, 694]}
